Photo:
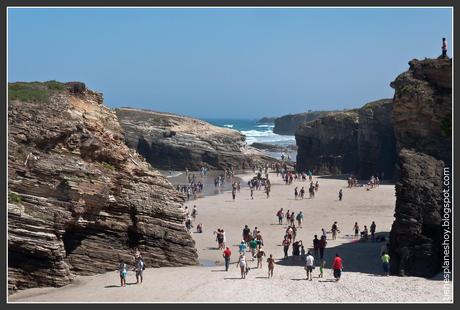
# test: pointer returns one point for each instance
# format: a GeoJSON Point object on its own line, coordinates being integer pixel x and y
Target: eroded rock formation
{"type": "Point", "coordinates": [79, 199]}
{"type": "Point", "coordinates": [288, 124]}
{"type": "Point", "coordinates": [328, 145]}
{"type": "Point", "coordinates": [422, 120]}
{"type": "Point", "coordinates": [170, 141]}
{"type": "Point", "coordinates": [359, 141]}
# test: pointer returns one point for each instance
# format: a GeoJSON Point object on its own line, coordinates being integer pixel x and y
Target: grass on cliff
{"type": "Point", "coordinates": [33, 91]}
{"type": "Point", "coordinates": [14, 197]}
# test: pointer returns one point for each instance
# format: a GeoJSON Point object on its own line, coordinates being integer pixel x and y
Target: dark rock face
{"type": "Point", "coordinates": [288, 124]}
{"type": "Point", "coordinates": [376, 140]}
{"type": "Point", "coordinates": [422, 120]}
{"type": "Point", "coordinates": [328, 145]}
{"type": "Point", "coordinates": [80, 200]}
{"type": "Point", "coordinates": [358, 141]}
{"type": "Point", "coordinates": [170, 141]}
{"type": "Point", "coordinates": [423, 108]}
{"type": "Point", "coordinates": [266, 120]}
{"type": "Point", "coordinates": [416, 234]}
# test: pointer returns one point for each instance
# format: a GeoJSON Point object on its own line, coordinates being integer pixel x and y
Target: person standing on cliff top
{"type": "Point", "coordinates": [444, 48]}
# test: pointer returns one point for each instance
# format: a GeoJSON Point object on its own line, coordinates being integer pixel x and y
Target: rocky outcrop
{"type": "Point", "coordinates": [266, 120]}
{"type": "Point", "coordinates": [170, 141]}
{"type": "Point", "coordinates": [422, 116]}
{"type": "Point", "coordinates": [422, 112]}
{"type": "Point", "coordinates": [376, 140]}
{"type": "Point", "coordinates": [328, 145]}
{"type": "Point", "coordinates": [288, 124]}
{"type": "Point", "coordinates": [79, 199]}
{"type": "Point", "coordinates": [416, 234]}
{"type": "Point", "coordinates": [360, 142]}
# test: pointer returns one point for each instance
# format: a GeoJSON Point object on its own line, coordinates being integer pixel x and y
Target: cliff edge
{"type": "Point", "coordinates": [79, 199]}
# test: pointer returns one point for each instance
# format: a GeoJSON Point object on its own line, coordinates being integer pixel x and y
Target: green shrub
{"type": "Point", "coordinates": [14, 197]}
{"type": "Point", "coordinates": [34, 91]}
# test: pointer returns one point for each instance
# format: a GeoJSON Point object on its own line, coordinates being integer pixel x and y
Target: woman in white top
{"type": "Point", "coordinates": [242, 265]}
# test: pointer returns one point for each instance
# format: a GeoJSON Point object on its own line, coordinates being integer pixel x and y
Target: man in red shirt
{"type": "Point", "coordinates": [337, 267]}
{"type": "Point", "coordinates": [226, 255]}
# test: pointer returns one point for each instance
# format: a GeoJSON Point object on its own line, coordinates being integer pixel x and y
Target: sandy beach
{"type": "Point", "coordinates": [362, 278]}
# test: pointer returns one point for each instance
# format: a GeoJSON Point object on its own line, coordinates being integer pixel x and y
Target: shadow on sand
{"type": "Point", "coordinates": [357, 256]}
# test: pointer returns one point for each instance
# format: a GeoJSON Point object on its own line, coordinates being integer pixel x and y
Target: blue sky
{"type": "Point", "coordinates": [234, 62]}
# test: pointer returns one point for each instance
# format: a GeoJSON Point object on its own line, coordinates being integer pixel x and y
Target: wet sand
{"type": "Point", "coordinates": [362, 279]}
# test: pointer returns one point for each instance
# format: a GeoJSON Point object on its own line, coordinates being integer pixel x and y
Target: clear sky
{"type": "Point", "coordinates": [228, 62]}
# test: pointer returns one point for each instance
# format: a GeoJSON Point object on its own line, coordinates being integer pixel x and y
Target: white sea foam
{"type": "Point", "coordinates": [267, 136]}
{"type": "Point", "coordinates": [266, 126]}
{"type": "Point", "coordinates": [229, 125]}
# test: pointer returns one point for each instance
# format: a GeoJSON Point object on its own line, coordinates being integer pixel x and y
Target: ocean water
{"type": "Point", "coordinates": [254, 132]}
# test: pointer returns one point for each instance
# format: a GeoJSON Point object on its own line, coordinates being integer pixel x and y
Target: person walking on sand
{"type": "Point", "coordinates": [286, 244]}
{"type": "Point", "coordinates": [292, 218]}
{"type": "Point", "coordinates": [337, 266]}
{"type": "Point", "coordinates": [335, 230]}
{"type": "Point", "coordinates": [296, 193]}
{"type": "Point", "coordinates": [322, 246]}
{"type": "Point", "coordinates": [251, 187]}
{"type": "Point", "coordinates": [299, 219]}
{"type": "Point", "coordinates": [356, 230]}
{"type": "Point", "coordinates": [140, 267]}
{"type": "Point", "coordinates": [242, 247]}
{"type": "Point", "coordinates": [386, 263]}
{"type": "Point", "coordinates": [324, 233]}
{"type": "Point", "coordinates": [123, 269]}
{"type": "Point", "coordinates": [321, 268]}
{"type": "Point", "coordinates": [227, 254]}
{"type": "Point", "coordinates": [302, 192]}
{"type": "Point", "coordinates": [233, 193]}
{"type": "Point", "coordinates": [309, 265]}
{"type": "Point", "coordinates": [280, 216]}
{"type": "Point", "coordinates": [373, 227]}
{"type": "Point", "coordinates": [242, 264]}
{"type": "Point", "coordinates": [253, 247]}
{"type": "Point", "coordinates": [288, 217]}
{"type": "Point", "coordinates": [246, 233]}
{"type": "Point", "coordinates": [340, 195]}
{"type": "Point", "coordinates": [194, 212]}
{"type": "Point", "coordinates": [271, 265]}
{"type": "Point", "coordinates": [316, 246]}
{"type": "Point", "coordinates": [260, 255]}
{"type": "Point", "coordinates": [444, 48]}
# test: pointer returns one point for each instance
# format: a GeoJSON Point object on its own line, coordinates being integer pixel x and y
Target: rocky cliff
{"type": "Point", "coordinates": [79, 199]}
{"type": "Point", "coordinates": [170, 141]}
{"type": "Point", "coordinates": [328, 145]}
{"type": "Point", "coordinates": [376, 140]}
{"type": "Point", "coordinates": [422, 122]}
{"type": "Point", "coordinates": [266, 120]}
{"type": "Point", "coordinates": [288, 124]}
{"type": "Point", "coordinates": [359, 141]}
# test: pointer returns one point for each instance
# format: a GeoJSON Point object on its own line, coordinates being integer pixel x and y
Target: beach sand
{"type": "Point", "coordinates": [362, 279]}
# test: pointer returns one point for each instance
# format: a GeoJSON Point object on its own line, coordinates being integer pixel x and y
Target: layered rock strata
{"type": "Point", "coordinates": [79, 199]}
{"type": "Point", "coordinates": [174, 142]}
{"type": "Point", "coordinates": [422, 121]}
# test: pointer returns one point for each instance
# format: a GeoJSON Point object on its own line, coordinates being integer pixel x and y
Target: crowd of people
{"type": "Point", "coordinates": [251, 247]}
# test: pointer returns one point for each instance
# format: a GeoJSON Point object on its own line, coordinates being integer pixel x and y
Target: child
{"type": "Point", "coordinates": [123, 269]}
{"type": "Point", "coordinates": [321, 268]}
